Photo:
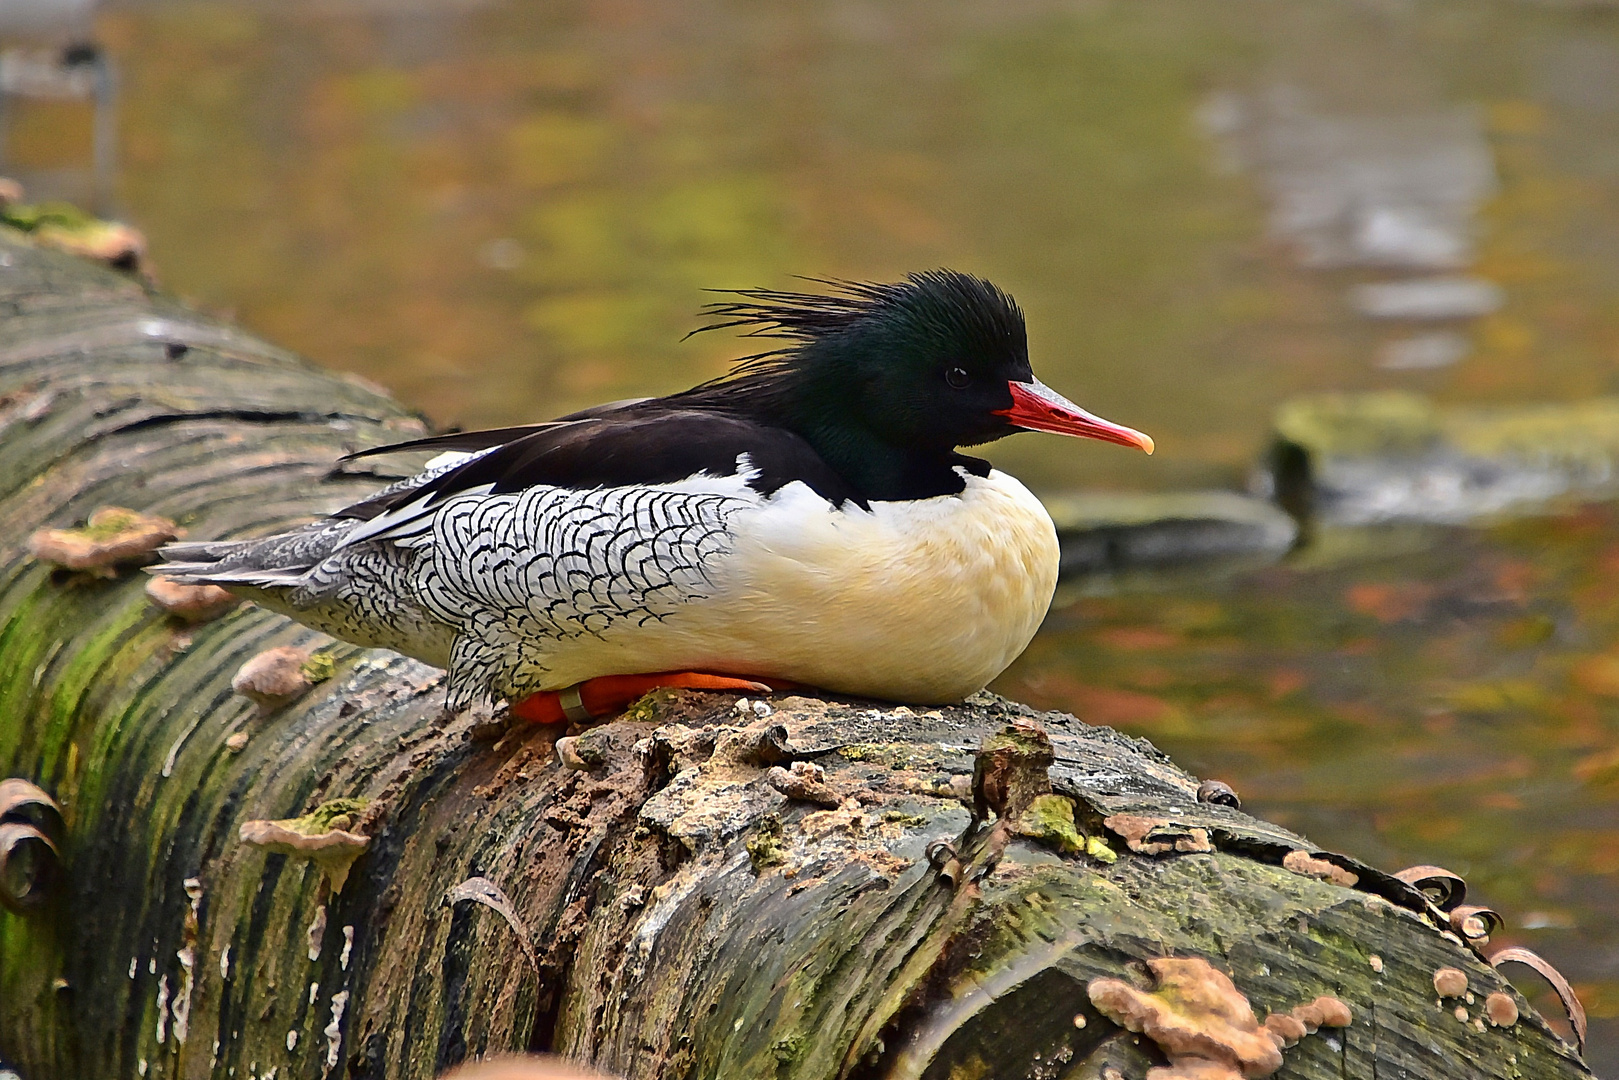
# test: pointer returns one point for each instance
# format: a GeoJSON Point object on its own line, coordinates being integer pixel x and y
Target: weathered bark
{"type": "Point", "coordinates": [672, 913]}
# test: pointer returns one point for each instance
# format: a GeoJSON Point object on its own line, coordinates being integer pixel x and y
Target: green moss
{"type": "Point", "coordinates": [1579, 433]}
{"type": "Point", "coordinates": [650, 707]}
{"type": "Point", "coordinates": [866, 752]}
{"type": "Point", "coordinates": [109, 523]}
{"type": "Point", "coordinates": [1349, 425]}
{"type": "Point", "coordinates": [38, 215]}
{"type": "Point", "coordinates": [789, 1048]}
{"type": "Point", "coordinates": [765, 848]}
{"type": "Point", "coordinates": [1097, 849]}
{"type": "Point", "coordinates": [1050, 820]}
{"type": "Point", "coordinates": [319, 667]}
{"type": "Point", "coordinates": [910, 821]}
{"type": "Point", "coordinates": [329, 815]}
{"type": "Point", "coordinates": [594, 747]}
{"type": "Point", "coordinates": [106, 650]}
{"type": "Point", "coordinates": [1024, 741]}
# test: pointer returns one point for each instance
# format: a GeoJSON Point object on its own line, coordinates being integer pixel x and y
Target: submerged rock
{"type": "Point", "coordinates": [1428, 298]}
{"type": "Point", "coordinates": [1360, 459]}
{"type": "Point", "coordinates": [1100, 533]}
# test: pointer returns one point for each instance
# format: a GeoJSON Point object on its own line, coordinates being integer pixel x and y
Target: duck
{"type": "Point", "coordinates": [806, 520]}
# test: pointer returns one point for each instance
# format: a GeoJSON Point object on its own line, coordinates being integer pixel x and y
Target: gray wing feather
{"type": "Point", "coordinates": [516, 573]}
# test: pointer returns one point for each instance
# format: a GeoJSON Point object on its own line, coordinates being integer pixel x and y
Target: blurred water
{"type": "Point", "coordinates": [506, 210]}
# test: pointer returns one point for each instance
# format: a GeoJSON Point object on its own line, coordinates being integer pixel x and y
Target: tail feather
{"type": "Point", "coordinates": [212, 573]}
{"type": "Point", "coordinates": [279, 561]}
{"type": "Point", "coordinates": [205, 553]}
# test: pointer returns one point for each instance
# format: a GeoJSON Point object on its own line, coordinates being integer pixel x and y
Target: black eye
{"type": "Point", "coordinates": [957, 377]}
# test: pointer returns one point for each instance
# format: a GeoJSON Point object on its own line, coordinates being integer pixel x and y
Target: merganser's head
{"type": "Point", "coordinates": [936, 361]}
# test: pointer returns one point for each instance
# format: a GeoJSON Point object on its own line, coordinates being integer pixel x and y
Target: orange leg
{"type": "Point", "coordinates": [608, 694]}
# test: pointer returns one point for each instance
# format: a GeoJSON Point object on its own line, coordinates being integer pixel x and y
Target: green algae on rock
{"type": "Point", "coordinates": [1355, 459]}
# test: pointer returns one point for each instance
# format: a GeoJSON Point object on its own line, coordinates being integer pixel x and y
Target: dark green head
{"type": "Point", "coordinates": [886, 380]}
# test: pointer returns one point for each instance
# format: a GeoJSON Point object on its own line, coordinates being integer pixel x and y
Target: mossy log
{"type": "Point", "coordinates": [703, 887]}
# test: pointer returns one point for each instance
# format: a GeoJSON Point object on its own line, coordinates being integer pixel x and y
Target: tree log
{"type": "Point", "coordinates": [702, 887]}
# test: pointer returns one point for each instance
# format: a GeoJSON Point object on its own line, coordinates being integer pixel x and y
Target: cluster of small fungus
{"type": "Point", "coordinates": [115, 537]}
{"type": "Point", "coordinates": [1451, 983]}
{"type": "Point", "coordinates": [1203, 1023]}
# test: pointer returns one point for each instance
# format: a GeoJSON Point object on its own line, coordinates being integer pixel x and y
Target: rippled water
{"type": "Point", "coordinates": [506, 210]}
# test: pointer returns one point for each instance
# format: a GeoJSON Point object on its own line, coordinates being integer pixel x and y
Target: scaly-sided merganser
{"type": "Point", "coordinates": [805, 520]}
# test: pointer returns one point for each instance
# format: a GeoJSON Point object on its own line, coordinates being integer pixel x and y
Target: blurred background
{"type": "Point", "coordinates": [504, 210]}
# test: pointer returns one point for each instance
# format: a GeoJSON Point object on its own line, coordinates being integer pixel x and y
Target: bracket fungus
{"type": "Point", "coordinates": [192, 603]}
{"type": "Point", "coordinates": [1475, 923]}
{"type": "Point", "coordinates": [322, 835]}
{"type": "Point", "coordinates": [67, 228]}
{"type": "Point", "coordinates": [1193, 1011]}
{"type": "Point", "coordinates": [111, 538]}
{"type": "Point", "coordinates": [1501, 1010]}
{"type": "Point", "coordinates": [585, 752]}
{"type": "Point", "coordinates": [1204, 1025]}
{"type": "Point", "coordinates": [1302, 862]}
{"type": "Point", "coordinates": [1157, 836]}
{"type": "Point", "coordinates": [1443, 889]}
{"type": "Point", "coordinates": [277, 675]}
{"type": "Point", "coordinates": [1218, 793]}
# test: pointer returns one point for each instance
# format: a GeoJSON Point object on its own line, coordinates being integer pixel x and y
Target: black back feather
{"type": "Point", "coordinates": [752, 409]}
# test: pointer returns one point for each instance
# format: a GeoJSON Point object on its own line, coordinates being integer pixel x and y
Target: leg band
{"type": "Point", "coordinates": [573, 704]}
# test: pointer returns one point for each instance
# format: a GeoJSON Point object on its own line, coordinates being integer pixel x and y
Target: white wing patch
{"type": "Point", "coordinates": [416, 516]}
{"type": "Point", "coordinates": [516, 572]}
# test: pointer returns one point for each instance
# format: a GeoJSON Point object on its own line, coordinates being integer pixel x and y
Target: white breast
{"type": "Point", "coordinates": [922, 601]}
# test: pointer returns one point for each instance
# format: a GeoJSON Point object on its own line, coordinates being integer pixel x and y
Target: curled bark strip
{"type": "Point", "coordinates": [481, 890]}
{"type": "Point", "coordinates": [770, 745]}
{"type": "Point", "coordinates": [1475, 922]}
{"type": "Point", "coordinates": [1565, 992]}
{"type": "Point", "coordinates": [28, 804]}
{"type": "Point", "coordinates": [28, 867]}
{"type": "Point", "coordinates": [1218, 793]}
{"type": "Point", "coordinates": [1444, 888]}
{"type": "Point", "coordinates": [943, 857]}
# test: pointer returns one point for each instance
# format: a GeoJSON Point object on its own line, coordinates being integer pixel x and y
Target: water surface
{"type": "Point", "coordinates": [505, 210]}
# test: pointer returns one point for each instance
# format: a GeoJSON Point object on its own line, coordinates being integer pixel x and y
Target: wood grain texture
{"type": "Point", "coordinates": [681, 916]}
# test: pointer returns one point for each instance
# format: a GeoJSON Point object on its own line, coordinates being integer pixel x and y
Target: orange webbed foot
{"type": "Point", "coordinates": [608, 694]}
